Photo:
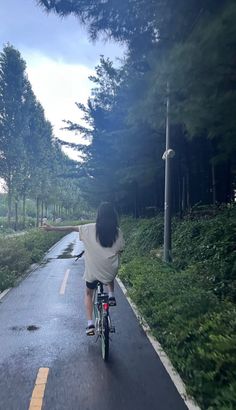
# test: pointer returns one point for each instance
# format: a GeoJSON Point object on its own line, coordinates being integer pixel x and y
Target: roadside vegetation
{"type": "Point", "coordinates": [18, 253]}
{"type": "Point", "coordinates": [189, 304]}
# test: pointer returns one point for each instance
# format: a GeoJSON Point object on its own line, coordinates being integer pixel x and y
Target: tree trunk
{"type": "Point", "coordinates": [54, 212]}
{"type": "Point", "coordinates": [180, 197]}
{"type": "Point", "coordinates": [37, 211]}
{"type": "Point", "coordinates": [183, 200]}
{"type": "Point", "coordinates": [42, 208]}
{"type": "Point", "coordinates": [23, 211]}
{"type": "Point", "coordinates": [213, 184]}
{"type": "Point", "coordinates": [9, 202]}
{"type": "Point", "coordinates": [230, 191]}
{"type": "Point", "coordinates": [188, 192]}
{"type": "Point", "coordinates": [16, 215]}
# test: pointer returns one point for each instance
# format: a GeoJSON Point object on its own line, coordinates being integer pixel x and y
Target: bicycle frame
{"type": "Point", "coordinates": [102, 319]}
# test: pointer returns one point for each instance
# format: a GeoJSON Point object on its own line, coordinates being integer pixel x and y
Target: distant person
{"type": "Point", "coordinates": [103, 242]}
{"type": "Point", "coordinates": [44, 220]}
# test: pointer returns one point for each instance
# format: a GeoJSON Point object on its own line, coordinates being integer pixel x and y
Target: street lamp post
{"type": "Point", "coordinates": [168, 154]}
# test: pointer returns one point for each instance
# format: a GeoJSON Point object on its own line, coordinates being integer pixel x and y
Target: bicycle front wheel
{"type": "Point", "coordinates": [105, 338]}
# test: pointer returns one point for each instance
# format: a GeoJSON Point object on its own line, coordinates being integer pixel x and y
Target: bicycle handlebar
{"type": "Point", "coordinates": [79, 256]}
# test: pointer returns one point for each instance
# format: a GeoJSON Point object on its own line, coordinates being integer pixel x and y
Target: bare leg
{"type": "Point", "coordinates": [111, 286]}
{"type": "Point", "coordinates": [89, 303]}
{"type": "Point", "coordinates": [111, 294]}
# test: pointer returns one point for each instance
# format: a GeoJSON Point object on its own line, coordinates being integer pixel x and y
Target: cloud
{"type": "Point", "coordinates": [59, 58]}
{"type": "Point", "coordinates": [26, 25]}
{"type": "Point", "coordinates": [58, 85]}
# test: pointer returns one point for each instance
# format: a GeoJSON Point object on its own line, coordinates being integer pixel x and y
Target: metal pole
{"type": "Point", "coordinates": [167, 210]}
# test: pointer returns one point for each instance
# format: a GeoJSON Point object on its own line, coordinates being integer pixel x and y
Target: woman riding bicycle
{"type": "Point", "coordinates": [103, 242]}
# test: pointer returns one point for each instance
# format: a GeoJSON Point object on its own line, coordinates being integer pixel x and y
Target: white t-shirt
{"type": "Point", "coordinates": [100, 263]}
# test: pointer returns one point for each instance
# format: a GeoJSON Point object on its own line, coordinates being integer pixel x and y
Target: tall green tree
{"type": "Point", "coordinates": [13, 90]}
{"type": "Point", "coordinates": [139, 23]}
{"type": "Point", "coordinates": [190, 45]}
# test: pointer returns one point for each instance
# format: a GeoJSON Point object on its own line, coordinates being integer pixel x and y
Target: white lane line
{"type": "Point", "coordinates": [4, 293]}
{"type": "Point", "coordinates": [175, 377]}
{"type": "Point", "coordinates": [63, 285]}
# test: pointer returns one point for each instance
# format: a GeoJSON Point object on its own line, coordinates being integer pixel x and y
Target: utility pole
{"type": "Point", "coordinates": [168, 154]}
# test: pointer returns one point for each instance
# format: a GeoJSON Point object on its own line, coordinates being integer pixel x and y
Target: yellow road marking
{"type": "Point", "coordinates": [36, 401]}
{"type": "Point", "coordinates": [63, 285]}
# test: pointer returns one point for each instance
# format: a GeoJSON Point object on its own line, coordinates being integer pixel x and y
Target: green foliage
{"type": "Point", "coordinates": [5, 228]}
{"type": "Point", "coordinates": [139, 242]}
{"type": "Point", "coordinates": [203, 101]}
{"type": "Point", "coordinates": [36, 243]}
{"type": "Point", "coordinates": [32, 164]}
{"type": "Point", "coordinates": [194, 321]}
{"type": "Point", "coordinates": [209, 245]}
{"type": "Point", "coordinates": [17, 253]}
{"type": "Point", "coordinates": [190, 45]}
{"type": "Point", "coordinates": [13, 255]}
{"type": "Point", "coordinates": [12, 121]}
{"type": "Point", "coordinates": [7, 278]}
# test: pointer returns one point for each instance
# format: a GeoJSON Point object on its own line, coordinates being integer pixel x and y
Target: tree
{"type": "Point", "coordinates": [137, 22]}
{"type": "Point", "coordinates": [191, 45]}
{"type": "Point", "coordinates": [13, 91]}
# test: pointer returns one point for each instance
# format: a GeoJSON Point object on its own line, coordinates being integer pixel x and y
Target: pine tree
{"type": "Point", "coordinates": [13, 88]}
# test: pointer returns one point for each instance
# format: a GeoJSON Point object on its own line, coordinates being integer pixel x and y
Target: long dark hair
{"type": "Point", "coordinates": [106, 225]}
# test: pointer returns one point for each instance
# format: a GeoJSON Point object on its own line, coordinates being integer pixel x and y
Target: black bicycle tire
{"type": "Point", "coordinates": [105, 338]}
{"type": "Point", "coordinates": [95, 309]}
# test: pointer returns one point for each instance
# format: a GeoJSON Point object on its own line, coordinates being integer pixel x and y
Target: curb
{"type": "Point", "coordinates": [175, 377]}
{"type": "Point", "coordinates": [25, 275]}
{"type": "Point", "coordinates": [4, 293]}
{"type": "Point", "coordinates": [52, 247]}
{"type": "Point", "coordinates": [28, 271]}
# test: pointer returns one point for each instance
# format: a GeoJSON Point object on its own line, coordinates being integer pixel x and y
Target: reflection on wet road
{"type": "Point", "coordinates": [43, 327]}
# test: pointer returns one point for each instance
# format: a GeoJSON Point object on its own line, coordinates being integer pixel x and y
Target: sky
{"type": "Point", "coordinates": [59, 58]}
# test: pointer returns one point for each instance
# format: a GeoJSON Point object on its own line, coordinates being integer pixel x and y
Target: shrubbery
{"type": "Point", "coordinates": [17, 253]}
{"type": "Point", "coordinates": [189, 304]}
{"type": "Point", "coordinates": [209, 245]}
{"type": "Point", "coordinates": [6, 229]}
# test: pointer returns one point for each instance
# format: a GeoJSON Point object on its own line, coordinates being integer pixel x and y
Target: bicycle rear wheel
{"type": "Point", "coordinates": [105, 338]}
{"type": "Point", "coordinates": [96, 313]}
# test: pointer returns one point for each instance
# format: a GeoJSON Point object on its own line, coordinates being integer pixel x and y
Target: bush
{"type": "Point", "coordinates": [209, 245]}
{"type": "Point", "coordinates": [149, 235]}
{"type": "Point", "coordinates": [189, 304]}
{"type": "Point", "coordinates": [7, 278]}
{"type": "Point", "coordinates": [17, 253]}
{"type": "Point", "coordinates": [13, 255]}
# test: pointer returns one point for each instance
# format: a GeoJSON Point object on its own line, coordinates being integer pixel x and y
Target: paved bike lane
{"type": "Point", "coordinates": [50, 300]}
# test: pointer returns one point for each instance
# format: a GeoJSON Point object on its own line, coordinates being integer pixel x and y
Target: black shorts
{"type": "Point", "coordinates": [92, 285]}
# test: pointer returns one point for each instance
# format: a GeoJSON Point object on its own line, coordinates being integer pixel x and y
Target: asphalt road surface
{"type": "Point", "coordinates": [42, 325]}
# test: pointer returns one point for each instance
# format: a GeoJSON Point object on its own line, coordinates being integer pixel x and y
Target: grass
{"type": "Point", "coordinates": [189, 304]}
{"type": "Point", "coordinates": [18, 253]}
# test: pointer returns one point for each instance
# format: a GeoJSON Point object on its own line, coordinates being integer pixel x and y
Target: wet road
{"type": "Point", "coordinates": [50, 300]}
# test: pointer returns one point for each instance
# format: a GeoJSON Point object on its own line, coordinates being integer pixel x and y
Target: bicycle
{"type": "Point", "coordinates": [103, 324]}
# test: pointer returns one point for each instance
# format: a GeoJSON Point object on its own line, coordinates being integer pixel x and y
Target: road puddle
{"type": "Point", "coordinates": [30, 328]}
{"type": "Point", "coordinates": [67, 252]}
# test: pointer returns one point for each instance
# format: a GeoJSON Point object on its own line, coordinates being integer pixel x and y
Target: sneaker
{"type": "Point", "coordinates": [90, 330]}
{"type": "Point", "coordinates": [112, 301]}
